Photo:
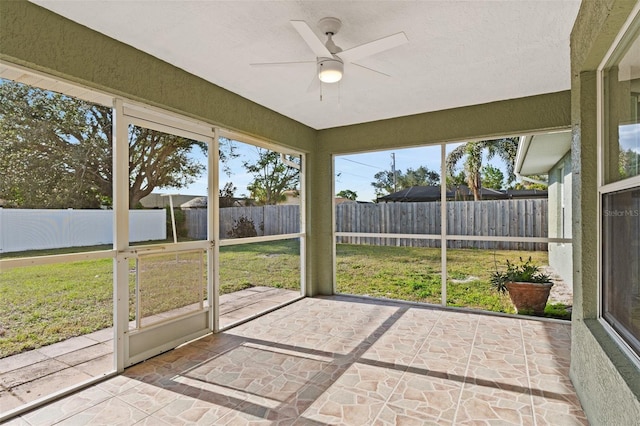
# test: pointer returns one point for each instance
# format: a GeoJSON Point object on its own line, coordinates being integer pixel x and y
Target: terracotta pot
{"type": "Point", "coordinates": [529, 297]}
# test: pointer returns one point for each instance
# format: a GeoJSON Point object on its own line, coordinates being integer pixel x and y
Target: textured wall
{"type": "Point", "coordinates": [496, 119]}
{"type": "Point", "coordinates": [606, 380]}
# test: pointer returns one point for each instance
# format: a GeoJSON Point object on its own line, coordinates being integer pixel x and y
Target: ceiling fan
{"type": "Point", "coordinates": [330, 58]}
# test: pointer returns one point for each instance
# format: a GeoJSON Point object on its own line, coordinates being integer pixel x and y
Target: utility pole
{"type": "Point", "coordinates": [393, 171]}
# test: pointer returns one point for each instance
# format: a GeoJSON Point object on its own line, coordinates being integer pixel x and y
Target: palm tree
{"type": "Point", "coordinates": [471, 152]}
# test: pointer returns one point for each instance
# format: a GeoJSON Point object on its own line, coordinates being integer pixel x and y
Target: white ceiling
{"type": "Point", "coordinates": [459, 52]}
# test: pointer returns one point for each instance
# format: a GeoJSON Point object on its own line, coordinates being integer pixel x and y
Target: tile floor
{"type": "Point", "coordinates": [35, 374]}
{"type": "Point", "coordinates": [344, 360]}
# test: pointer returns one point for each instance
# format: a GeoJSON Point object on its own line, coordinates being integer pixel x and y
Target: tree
{"type": "Point", "coordinates": [227, 194]}
{"type": "Point", "coordinates": [472, 153]}
{"type": "Point", "coordinates": [422, 176]}
{"type": "Point", "coordinates": [348, 194]}
{"type": "Point", "coordinates": [492, 177]}
{"type": "Point", "coordinates": [157, 160]}
{"type": "Point", "coordinates": [271, 177]}
{"type": "Point", "coordinates": [384, 182]}
{"type": "Point", "coordinates": [456, 179]}
{"type": "Point", "coordinates": [629, 163]}
{"type": "Point", "coordinates": [56, 152]}
{"type": "Point", "coordinates": [526, 184]}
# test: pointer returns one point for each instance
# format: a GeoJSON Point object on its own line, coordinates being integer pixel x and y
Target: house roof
{"type": "Point", "coordinates": [537, 154]}
{"type": "Point", "coordinates": [432, 193]}
{"type": "Point", "coordinates": [459, 52]}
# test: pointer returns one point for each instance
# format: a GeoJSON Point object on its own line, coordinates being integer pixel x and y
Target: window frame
{"type": "Point", "coordinates": [629, 33]}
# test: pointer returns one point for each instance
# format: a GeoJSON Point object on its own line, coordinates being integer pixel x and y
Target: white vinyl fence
{"type": "Point", "coordinates": [25, 229]}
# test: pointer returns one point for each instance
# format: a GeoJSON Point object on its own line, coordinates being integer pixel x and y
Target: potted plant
{"type": "Point", "coordinates": [528, 287]}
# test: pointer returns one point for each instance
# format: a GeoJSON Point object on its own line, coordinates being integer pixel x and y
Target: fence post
{"type": "Point", "coordinates": [70, 239]}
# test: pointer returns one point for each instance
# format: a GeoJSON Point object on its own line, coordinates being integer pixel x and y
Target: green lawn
{"type": "Point", "coordinates": [414, 274]}
{"type": "Point", "coordinates": [40, 305]}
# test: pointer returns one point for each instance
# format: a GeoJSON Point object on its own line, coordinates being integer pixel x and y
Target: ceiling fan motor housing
{"type": "Point", "coordinates": [330, 70]}
{"type": "Point", "coordinates": [330, 25]}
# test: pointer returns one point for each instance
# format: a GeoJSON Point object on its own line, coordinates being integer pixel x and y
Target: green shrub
{"type": "Point", "coordinates": [243, 227]}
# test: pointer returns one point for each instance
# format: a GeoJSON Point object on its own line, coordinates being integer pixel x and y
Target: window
{"type": "Point", "coordinates": [56, 227]}
{"type": "Point", "coordinates": [620, 190]}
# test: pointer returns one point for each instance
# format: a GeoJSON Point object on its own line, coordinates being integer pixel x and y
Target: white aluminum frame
{"type": "Point", "coordinates": [442, 237]}
{"type": "Point", "coordinates": [622, 38]}
{"type": "Point", "coordinates": [243, 138]}
{"type": "Point", "coordinates": [127, 112]}
{"type": "Point", "coordinates": [157, 338]}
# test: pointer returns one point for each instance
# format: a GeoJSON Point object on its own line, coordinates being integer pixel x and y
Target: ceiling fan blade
{"type": "Point", "coordinates": [279, 64]}
{"type": "Point", "coordinates": [373, 47]}
{"type": "Point", "coordinates": [371, 69]}
{"type": "Point", "coordinates": [311, 39]}
{"type": "Point", "coordinates": [314, 85]}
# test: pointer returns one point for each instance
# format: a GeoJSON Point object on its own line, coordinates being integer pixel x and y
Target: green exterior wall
{"type": "Point", "coordinates": [496, 119]}
{"type": "Point", "coordinates": [607, 381]}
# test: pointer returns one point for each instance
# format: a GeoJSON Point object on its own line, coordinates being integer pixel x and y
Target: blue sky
{"type": "Point", "coordinates": [354, 172]}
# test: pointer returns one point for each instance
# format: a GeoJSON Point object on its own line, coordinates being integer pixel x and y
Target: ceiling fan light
{"type": "Point", "coordinates": [330, 70]}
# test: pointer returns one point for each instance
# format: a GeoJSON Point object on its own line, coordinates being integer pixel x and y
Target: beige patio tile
{"type": "Point", "coordinates": [17, 422]}
{"type": "Point", "coordinates": [111, 412]}
{"type": "Point", "coordinates": [47, 385]}
{"type": "Point", "coordinates": [8, 401]}
{"type": "Point", "coordinates": [217, 343]}
{"type": "Point", "coordinates": [30, 372]}
{"type": "Point", "coordinates": [85, 354]}
{"type": "Point", "coordinates": [118, 384]}
{"type": "Point", "coordinates": [427, 397]}
{"type": "Point", "coordinates": [486, 404]}
{"type": "Point", "coordinates": [152, 421]}
{"type": "Point", "coordinates": [562, 409]}
{"type": "Point", "coordinates": [370, 381]}
{"type": "Point", "coordinates": [340, 360]}
{"type": "Point", "coordinates": [18, 361]}
{"type": "Point", "coordinates": [391, 415]}
{"type": "Point", "coordinates": [147, 397]}
{"type": "Point", "coordinates": [398, 350]}
{"type": "Point", "coordinates": [66, 346]}
{"type": "Point", "coordinates": [99, 366]}
{"type": "Point", "coordinates": [66, 407]}
{"type": "Point", "coordinates": [187, 410]}
{"type": "Point", "coordinates": [103, 336]}
{"type": "Point", "coordinates": [340, 406]}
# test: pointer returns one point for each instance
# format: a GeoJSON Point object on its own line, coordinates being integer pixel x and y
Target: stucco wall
{"type": "Point", "coordinates": [606, 379]}
{"type": "Point", "coordinates": [512, 117]}
{"type": "Point", "coordinates": [560, 254]}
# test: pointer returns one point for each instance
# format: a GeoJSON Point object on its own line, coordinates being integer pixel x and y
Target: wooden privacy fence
{"type": "Point", "coordinates": [494, 218]}
{"type": "Point", "coordinates": [268, 220]}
